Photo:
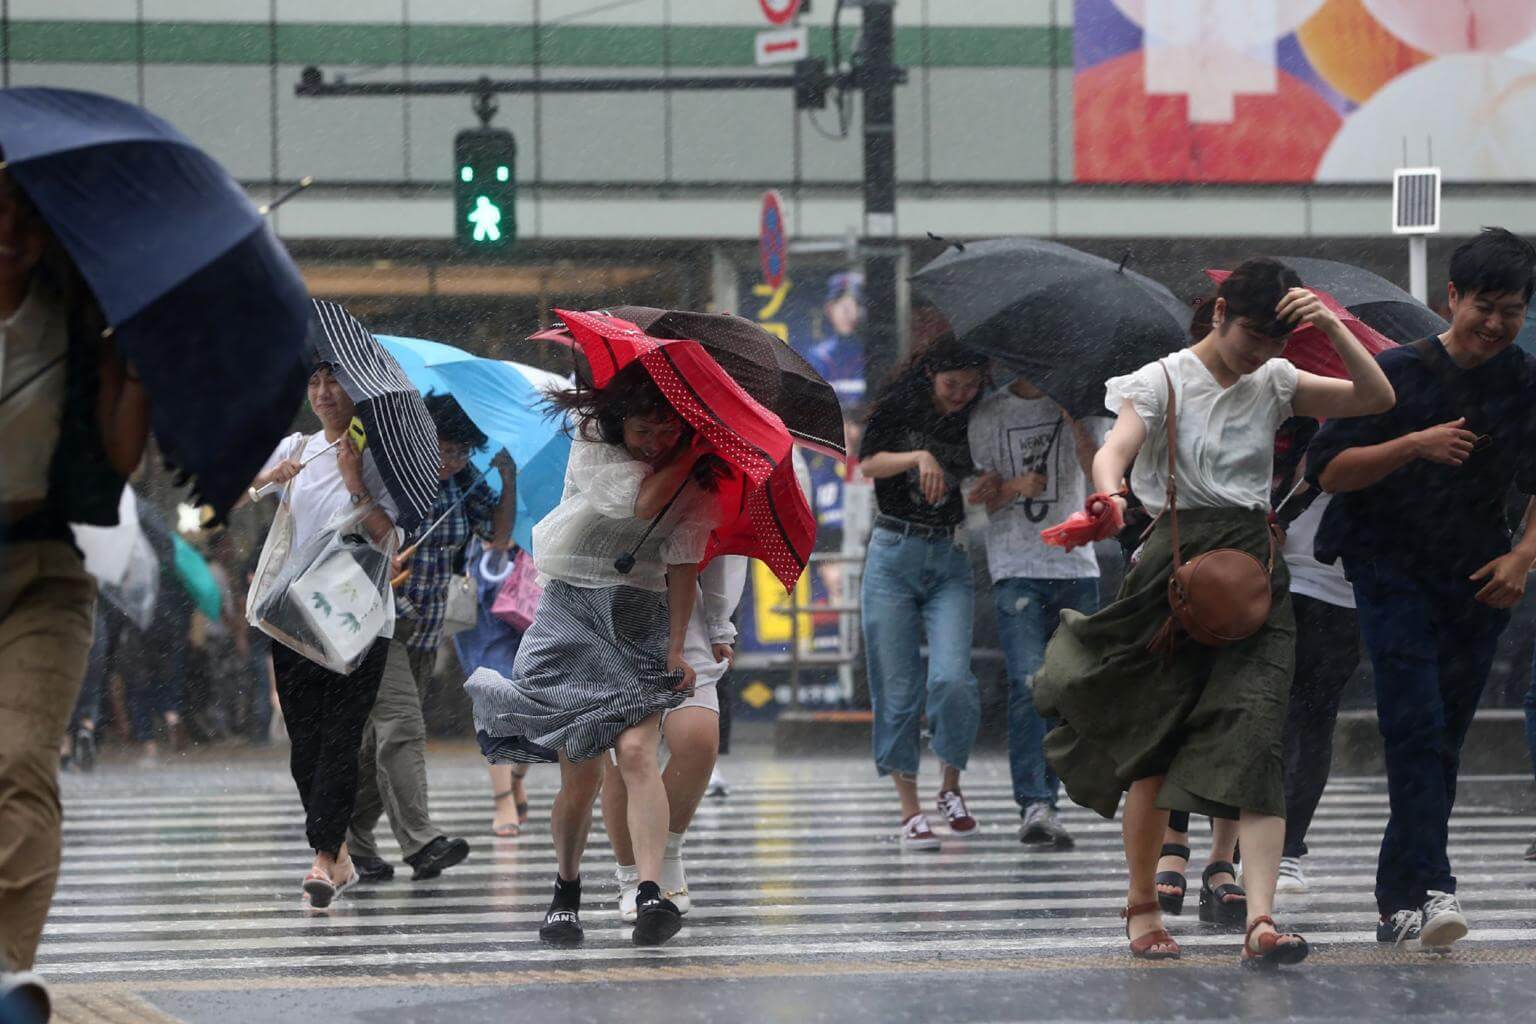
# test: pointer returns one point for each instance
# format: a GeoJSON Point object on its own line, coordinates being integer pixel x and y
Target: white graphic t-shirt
{"type": "Point", "coordinates": [1012, 436]}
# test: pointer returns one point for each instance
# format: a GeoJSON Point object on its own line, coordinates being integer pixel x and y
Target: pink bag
{"type": "Point", "coordinates": [518, 598]}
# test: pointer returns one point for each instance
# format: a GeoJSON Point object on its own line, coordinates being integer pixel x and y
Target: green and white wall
{"type": "Point", "coordinates": [984, 126]}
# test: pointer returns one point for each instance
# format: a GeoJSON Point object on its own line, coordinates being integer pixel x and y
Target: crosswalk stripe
{"type": "Point", "coordinates": [194, 885]}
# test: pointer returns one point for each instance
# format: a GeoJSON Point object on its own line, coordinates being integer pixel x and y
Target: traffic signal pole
{"type": "Point", "coordinates": [878, 76]}
{"type": "Point", "coordinates": [874, 72]}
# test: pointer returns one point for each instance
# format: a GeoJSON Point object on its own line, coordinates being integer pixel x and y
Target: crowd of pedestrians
{"type": "Point", "coordinates": [1280, 524]}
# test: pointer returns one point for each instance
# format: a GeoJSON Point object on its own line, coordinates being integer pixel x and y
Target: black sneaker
{"type": "Point", "coordinates": [657, 918]}
{"type": "Point", "coordinates": [562, 928]}
{"type": "Point", "coordinates": [373, 869]}
{"type": "Point", "coordinates": [1401, 927]}
{"type": "Point", "coordinates": [83, 750]}
{"type": "Point", "coordinates": [441, 853]}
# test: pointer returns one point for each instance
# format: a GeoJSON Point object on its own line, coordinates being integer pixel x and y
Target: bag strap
{"type": "Point", "coordinates": [1170, 417]}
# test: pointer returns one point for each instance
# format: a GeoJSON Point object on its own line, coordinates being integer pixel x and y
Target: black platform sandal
{"type": "Point", "coordinates": [1225, 904]}
{"type": "Point", "coordinates": [1172, 903]}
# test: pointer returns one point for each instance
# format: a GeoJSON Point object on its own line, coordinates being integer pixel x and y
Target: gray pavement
{"type": "Point", "coordinates": [179, 901]}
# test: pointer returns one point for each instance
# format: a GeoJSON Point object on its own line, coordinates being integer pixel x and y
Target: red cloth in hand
{"type": "Point", "coordinates": [1100, 519]}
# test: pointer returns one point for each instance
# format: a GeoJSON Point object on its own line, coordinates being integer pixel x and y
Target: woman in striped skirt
{"type": "Point", "coordinates": [603, 658]}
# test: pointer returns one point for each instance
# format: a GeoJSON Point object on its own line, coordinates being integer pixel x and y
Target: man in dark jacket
{"type": "Point", "coordinates": [1419, 522]}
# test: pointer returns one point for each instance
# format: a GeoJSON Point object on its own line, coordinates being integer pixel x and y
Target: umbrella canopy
{"type": "Point", "coordinates": [764, 512]}
{"type": "Point", "coordinates": [1065, 319]}
{"type": "Point", "coordinates": [402, 442]}
{"type": "Point", "coordinates": [196, 578]}
{"type": "Point", "coordinates": [506, 401]}
{"type": "Point", "coordinates": [1377, 302]}
{"type": "Point", "coordinates": [200, 295]}
{"type": "Point", "coordinates": [770, 371]}
{"type": "Point", "coordinates": [1309, 348]}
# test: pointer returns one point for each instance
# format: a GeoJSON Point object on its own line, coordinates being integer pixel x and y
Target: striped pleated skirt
{"type": "Point", "coordinates": [592, 664]}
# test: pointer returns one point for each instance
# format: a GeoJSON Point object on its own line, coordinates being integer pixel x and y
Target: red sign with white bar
{"type": "Point", "coordinates": [779, 12]}
{"type": "Point", "coordinates": [782, 46]}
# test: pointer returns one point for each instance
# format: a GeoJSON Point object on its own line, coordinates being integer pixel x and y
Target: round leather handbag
{"type": "Point", "coordinates": [1220, 596]}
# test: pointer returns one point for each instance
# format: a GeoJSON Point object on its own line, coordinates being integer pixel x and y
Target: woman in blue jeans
{"type": "Point", "coordinates": [917, 579]}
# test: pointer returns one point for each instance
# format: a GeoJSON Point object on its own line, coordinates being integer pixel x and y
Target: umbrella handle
{"type": "Point", "coordinates": [257, 493]}
{"type": "Point", "coordinates": [405, 574]}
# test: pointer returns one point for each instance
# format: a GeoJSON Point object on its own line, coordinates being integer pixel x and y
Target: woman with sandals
{"type": "Point", "coordinates": [1146, 711]}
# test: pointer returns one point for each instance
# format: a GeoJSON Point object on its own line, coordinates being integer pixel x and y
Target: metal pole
{"type": "Point", "coordinates": [878, 76]}
{"type": "Point", "coordinates": [1418, 267]}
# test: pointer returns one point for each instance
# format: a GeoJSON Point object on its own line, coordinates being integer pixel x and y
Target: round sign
{"type": "Point", "coordinates": [772, 247]}
{"type": "Point", "coordinates": [779, 12]}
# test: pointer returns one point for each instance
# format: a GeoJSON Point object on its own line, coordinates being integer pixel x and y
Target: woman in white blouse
{"type": "Point", "coordinates": [1198, 730]}
{"type": "Point", "coordinates": [604, 657]}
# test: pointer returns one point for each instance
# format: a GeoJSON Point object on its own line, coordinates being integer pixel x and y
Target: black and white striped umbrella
{"type": "Point", "coordinates": [402, 441]}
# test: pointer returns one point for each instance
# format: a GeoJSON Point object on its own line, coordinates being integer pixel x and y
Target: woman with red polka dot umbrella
{"type": "Point", "coordinates": [764, 514]}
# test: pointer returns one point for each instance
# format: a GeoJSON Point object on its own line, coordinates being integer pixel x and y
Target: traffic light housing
{"type": "Point", "coordinates": [485, 190]}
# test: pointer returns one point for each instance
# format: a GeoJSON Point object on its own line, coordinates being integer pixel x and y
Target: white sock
{"type": "Point", "coordinates": [628, 873]}
{"type": "Point", "coordinates": [674, 846]}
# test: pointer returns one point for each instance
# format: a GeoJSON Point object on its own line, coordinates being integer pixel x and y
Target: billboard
{"type": "Point", "coordinates": [1302, 90]}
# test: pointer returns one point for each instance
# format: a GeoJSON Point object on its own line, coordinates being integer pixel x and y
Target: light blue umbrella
{"type": "Point", "coordinates": [506, 401]}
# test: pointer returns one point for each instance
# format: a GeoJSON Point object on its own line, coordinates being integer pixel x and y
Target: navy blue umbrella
{"type": "Point", "coordinates": [198, 292]}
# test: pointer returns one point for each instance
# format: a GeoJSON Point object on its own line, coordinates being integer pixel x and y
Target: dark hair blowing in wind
{"type": "Point", "coordinates": [598, 414]}
{"type": "Point", "coordinates": [1253, 293]}
{"type": "Point", "coordinates": [914, 377]}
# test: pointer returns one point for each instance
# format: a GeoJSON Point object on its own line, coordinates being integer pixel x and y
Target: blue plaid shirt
{"type": "Point", "coordinates": [424, 597]}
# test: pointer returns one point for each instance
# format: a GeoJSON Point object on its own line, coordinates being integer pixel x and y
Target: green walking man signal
{"type": "Point", "coordinates": [485, 190]}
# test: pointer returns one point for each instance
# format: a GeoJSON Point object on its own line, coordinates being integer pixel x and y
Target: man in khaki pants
{"type": "Point", "coordinates": [73, 419]}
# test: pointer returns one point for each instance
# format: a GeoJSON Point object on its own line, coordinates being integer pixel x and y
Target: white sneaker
{"type": "Point", "coordinates": [674, 884]}
{"type": "Point", "coordinates": [916, 834]}
{"type": "Point", "coordinates": [1292, 878]}
{"type": "Point", "coordinates": [629, 886]}
{"type": "Point", "coordinates": [717, 785]}
{"type": "Point", "coordinates": [1444, 922]}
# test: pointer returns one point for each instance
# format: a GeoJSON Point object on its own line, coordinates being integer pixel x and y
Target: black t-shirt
{"type": "Point", "coordinates": [906, 421]}
{"type": "Point", "coordinates": [1428, 516]}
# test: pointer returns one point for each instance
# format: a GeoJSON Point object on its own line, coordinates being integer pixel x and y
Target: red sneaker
{"type": "Point", "coordinates": [916, 835]}
{"type": "Point", "coordinates": [952, 806]}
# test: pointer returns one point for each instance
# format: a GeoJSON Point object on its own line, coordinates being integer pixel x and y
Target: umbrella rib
{"type": "Point", "coordinates": [662, 350]}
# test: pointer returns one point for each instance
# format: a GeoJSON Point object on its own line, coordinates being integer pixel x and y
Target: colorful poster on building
{"type": "Point", "coordinates": [819, 313]}
{"type": "Point", "coordinates": [1302, 90]}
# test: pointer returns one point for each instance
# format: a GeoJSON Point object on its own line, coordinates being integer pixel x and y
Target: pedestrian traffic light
{"type": "Point", "coordinates": [485, 190]}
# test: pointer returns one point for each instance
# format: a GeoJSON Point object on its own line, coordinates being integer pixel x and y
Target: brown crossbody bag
{"type": "Point", "coordinates": [1218, 597]}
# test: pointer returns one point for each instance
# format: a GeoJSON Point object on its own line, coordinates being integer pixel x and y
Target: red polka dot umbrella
{"type": "Point", "coordinates": [764, 514]}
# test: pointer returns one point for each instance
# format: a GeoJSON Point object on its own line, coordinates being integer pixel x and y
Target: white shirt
{"type": "Point", "coordinates": [1309, 577]}
{"type": "Point", "coordinates": [1226, 437]}
{"type": "Point", "coordinates": [33, 342]}
{"type": "Point", "coordinates": [595, 523]}
{"type": "Point", "coordinates": [319, 492]}
{"type": "Point", "coordinates": [720, 587]}
{"type": "Point", "coordinates": [1012, 436]}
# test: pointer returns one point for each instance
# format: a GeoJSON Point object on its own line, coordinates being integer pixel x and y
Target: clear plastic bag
{"type": "Point", "coordinates": [331, 599]}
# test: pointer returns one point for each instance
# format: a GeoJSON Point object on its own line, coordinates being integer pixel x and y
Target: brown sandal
{"type": "Point", "coordinates": [1273, 950]}
{"type": "Point", "coordinates": [1145, 948]}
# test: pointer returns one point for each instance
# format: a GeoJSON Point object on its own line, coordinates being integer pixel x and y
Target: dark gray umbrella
{"type": "Point", "coordinates": [1376, 301]}
{"type": "Point", "coordinates": [1066, 320]}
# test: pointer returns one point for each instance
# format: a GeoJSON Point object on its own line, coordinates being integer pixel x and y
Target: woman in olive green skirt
{"type": "Point", "coordinates": [1198, 730]}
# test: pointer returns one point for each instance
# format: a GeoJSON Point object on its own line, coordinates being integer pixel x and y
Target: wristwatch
{"type": "Point", "coordinates": [361, 496]}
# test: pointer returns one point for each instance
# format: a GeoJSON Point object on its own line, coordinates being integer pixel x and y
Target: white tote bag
{"type": "Point", "coordinates": [329, 601]}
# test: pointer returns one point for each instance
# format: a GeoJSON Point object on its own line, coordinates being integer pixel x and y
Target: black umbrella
{"type": "Point", "coordinates": [402, 440]}
{"type": "Point", "coordinates": [770, 371]}
{"type": "Point", "coordinates": [1376, 301]}
{"type": "Point", "coordinates": [1066, 320]}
